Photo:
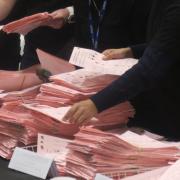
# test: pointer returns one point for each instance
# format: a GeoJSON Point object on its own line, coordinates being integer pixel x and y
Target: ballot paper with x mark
{"type": "Point", "coordinates": [93, 61]}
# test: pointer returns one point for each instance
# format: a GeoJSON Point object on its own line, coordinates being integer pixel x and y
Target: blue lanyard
{"type": "Point", "coordinates": [95, 34]}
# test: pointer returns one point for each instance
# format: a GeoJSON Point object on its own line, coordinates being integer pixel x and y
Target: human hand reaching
{"type": "Point", "coordinates": [118, 53]}
{"type": "Point", "coordinates": [81, 112]}
{"type": "Point", "coordinates": [58, 18]}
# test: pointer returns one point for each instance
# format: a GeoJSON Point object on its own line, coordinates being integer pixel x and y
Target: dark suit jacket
{"type": "Point", "coordinates": [124, 23]}
{"type": "Point", "coordinates": [152, 84]}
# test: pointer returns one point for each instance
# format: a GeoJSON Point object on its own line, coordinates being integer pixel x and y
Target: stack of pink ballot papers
{"type": "Point", "coordinates": [71, 87]}
{"type": "Point", "coordinates": [61, 95]}
{"type": "Point", "coordinates": [27, 24]}
{"type": "Point", "coordinates": [107, 119]}
{"type": "Point", "coordinates": [25, 94]}
{"type": "Point", "coordinates": [68, 88]}
{"type": "Point", "coordinates": [84, 80]}
{"type": "Point", "coordinates": [7, 145]}
{"type": "Point", "coordinates": [19, 127]}
{"type": "Point", "coordinates": [26, 113]}
{"type": "Point", "coordinates": [94, 151]}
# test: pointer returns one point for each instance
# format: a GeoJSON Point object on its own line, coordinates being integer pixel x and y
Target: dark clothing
{"type": "Point", "coordinates": [138, 50]}
{"type": "Point", "coordinates": [10, 44]}
{"type": "Point", "coordinates": [45, 38]}
{"type": "Point", "coordinates": [9, 51]}
{"type": "Point", "coordinates": [124, 23]}
{"type": "Point", "coordinates": [152, 84]}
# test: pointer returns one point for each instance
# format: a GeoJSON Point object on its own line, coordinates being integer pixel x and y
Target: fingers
{"type": "Point", "coordinates": [70, 113]}
{"type": "Point", "coordinates": [77, 115]}
{"type": "Point", "coordinates": [80, 116]}
{"type": "Point", "coordinates": [82, 119]}
{"type": "Point", "coordinates": [81, 112]}
{"type": "Point", "coordinates": [108, 54]}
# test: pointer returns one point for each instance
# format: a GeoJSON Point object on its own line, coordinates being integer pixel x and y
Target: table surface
{"type": "Point", "coordinates": [8, 174]}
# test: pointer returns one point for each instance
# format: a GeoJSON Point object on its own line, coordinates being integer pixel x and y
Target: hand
{"type": "Point", "coordinates": [58, 18]}
{"type": "Point", "coordinates": [81, 112]}
{"type": "Point", "coordinates": [118, 53]}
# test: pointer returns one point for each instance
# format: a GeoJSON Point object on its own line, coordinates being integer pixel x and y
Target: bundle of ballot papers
{"type": "Point", "coordinates": [114, 153]}
{"type": "Point", "coordinates": [27, 24]}
{"type": "Point", "coordinates": [71, 87]}
{"type": "Point", "coordinates": [94, 151]}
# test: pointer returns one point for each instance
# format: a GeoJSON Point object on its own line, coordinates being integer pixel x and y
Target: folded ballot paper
{"type": "Point", "coordinates": [54, 64]}
{"type": "Point", "coordinates": [92, 60]}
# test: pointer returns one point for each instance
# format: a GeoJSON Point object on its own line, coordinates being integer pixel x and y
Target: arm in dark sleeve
{"type": "Point", "coordinates": [138, 50]}
{"type": "Point", "coordinates": [159, 57]}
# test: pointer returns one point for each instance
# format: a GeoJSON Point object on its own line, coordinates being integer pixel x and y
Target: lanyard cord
{"type": "Point", "coordinates": [95, 34]}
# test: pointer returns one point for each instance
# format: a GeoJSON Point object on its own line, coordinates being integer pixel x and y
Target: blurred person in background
{"type": "Point", "coordinates": [45, 38]}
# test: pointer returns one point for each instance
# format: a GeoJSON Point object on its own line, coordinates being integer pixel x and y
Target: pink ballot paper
{"type": "Point", "coordinates": [172, 173]}
{"type": "Point", "coordinates": [53, 64]}
{"type": "Point", "coordinates": [55, 113]}
{"type": "Point", "coordinates": [27, 24]}
{"type": "Point", "coordinates": [92, 60]}
{"type": "Point", "coordinates": [150, 175]}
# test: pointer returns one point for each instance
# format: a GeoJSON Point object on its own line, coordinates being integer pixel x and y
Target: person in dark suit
{"type": "Point", "coordinates": [152, 84]}
{"type": "Point", "coordinates": [101, 24]}
{"type": "Point", "coordinates": [45, 38]}
{"type": "Point", "coordinates": [123, 23]}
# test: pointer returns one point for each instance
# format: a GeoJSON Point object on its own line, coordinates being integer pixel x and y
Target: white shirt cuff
{"type": "Point", "coordinates": [71, 11]}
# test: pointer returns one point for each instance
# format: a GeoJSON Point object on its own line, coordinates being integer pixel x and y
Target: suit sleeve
{"type": "Point", "coordinates": [161, 55]}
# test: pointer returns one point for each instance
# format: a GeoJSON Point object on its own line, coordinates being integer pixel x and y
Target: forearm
{"type": "Point", "coordinates": [157, 64]}
{"type": "Point", "coordinates": [148, 73]}
{"type": "Point", "coordinates": [6, 7]}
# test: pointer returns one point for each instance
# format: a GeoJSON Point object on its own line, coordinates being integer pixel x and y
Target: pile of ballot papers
{"type": "Point", "coordinates": [68, 88]}
{"type": "Point", "coordinates": [28, 112]}
{"type": "Point", "coordinates": [25, 94]}
{"type": "Point", "coordinates": [19, 127]}
{"type": "Point", "coordinates": [71, 87]}
{"type": "Point", "coordinates": [94, 151]}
